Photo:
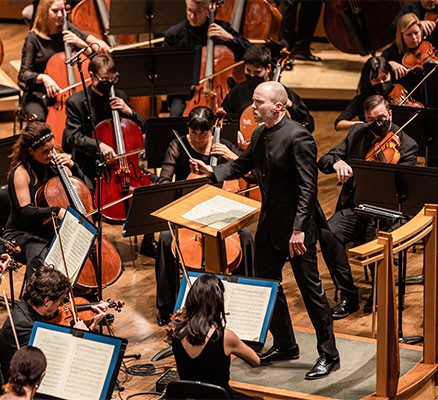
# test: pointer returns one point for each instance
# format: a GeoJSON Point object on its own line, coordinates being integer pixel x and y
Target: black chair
{"type": "Point", "coordinates": [188, 390]}
{"type": "Point", "coordinates": [8, 91]}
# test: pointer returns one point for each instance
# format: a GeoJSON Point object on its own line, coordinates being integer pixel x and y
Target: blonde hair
{"type": "Point", "coordinates": [41, 23]}
{"type": "Point", "coordinates": [404, 23]}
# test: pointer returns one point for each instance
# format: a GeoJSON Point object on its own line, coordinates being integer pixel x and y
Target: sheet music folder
{"type": "Point", "coordinates": [80, 364]}
{"type": "Point", "coordinates": [249, 303]}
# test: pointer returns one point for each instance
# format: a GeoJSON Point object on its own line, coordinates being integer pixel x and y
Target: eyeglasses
{"type": "Point", "coordinates": [113, 80]}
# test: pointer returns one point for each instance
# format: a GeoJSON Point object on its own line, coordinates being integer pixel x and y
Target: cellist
{"type": "Point", "coordinates": [195, 30]}
{"type": "Point", "coordinates": [44, 40]}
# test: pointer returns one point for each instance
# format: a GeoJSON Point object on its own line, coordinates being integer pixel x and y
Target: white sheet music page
{"type": "Point", "coordinates": [76, 241]}
{"type": "Point", "coordinates": [218, 212]}
{"type": "Point", "coordinates": [76, 367]}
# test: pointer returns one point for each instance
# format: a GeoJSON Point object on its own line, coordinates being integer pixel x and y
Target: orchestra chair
{"type": "Point", "coordinates": [8, 91]}
{"type": "Point", "coordinates": [187, 390]}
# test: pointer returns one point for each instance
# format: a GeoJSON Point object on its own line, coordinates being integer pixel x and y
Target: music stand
{"type": "Point", "coordinates": [160, 135]}
{"type": "Point", "coordinates": [147, 199]}
{"type": "Point", "coordinates": [151, 71]}
{"type": "Point", "coordinates": [431, 86]}
{"type": "Point", "coordinates": [218, 222]}
{"type": "Point", "coordinates": [401, 188]}
{"type": "Point", "coordinates": [142, 16]}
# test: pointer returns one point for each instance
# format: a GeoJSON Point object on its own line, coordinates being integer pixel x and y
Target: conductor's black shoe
{"type": "Point", "coordinates": [345, 308]}
{"type": "Point", "coordinates": [275, 354]}
{"type": "Point", "coordinates": [305, 55]}
{"type": "Point", "coordinates": [149, 248]}
{"type": "Point", "coordinates": [163, 318]}
{"type": "Point", "coordinates": [323, 366]}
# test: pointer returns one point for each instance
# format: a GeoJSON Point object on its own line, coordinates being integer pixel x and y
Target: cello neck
{"type": "Point", "coordinates": [104, 19]}
{"type": "Point", "coordinates": [120, 144]}
{"type": "Point", "coordinates": [209, 60]}
{"type": "Point", "coordinates": [237, 17]}
{"type": "Point", "coordinates": [71, 192]}
{"type": "Point", "coordinates": [68, 53]}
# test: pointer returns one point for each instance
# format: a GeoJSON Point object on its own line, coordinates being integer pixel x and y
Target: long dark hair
{"type": "Point", "coordinates": [204, 308]}
{"type": "Point", "coordinates": [27, 366]}
{"type": "Point", "coordinates": [370, 70]}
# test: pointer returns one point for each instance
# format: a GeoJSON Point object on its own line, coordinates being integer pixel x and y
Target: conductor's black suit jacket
{"type": "Point", "coordinates": [283, 160]}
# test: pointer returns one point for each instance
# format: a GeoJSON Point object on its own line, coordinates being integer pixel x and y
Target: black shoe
{"type": "Point", "coordinates": [368, 306]}
{"type": "Point", "coordinates": [274, 354]}
{"type": "Point", "coordinates": [149, 248]}
{"type": "Point", "coordinates": [323, 366]}
{"type": "Point", "coordinates": [305, 56]}
{"type": "Point", "coordinates": [163, 318]}
{"type": "Point", "coordinates": [345, 308]}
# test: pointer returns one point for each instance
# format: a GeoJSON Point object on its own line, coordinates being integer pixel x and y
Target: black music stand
{"type": "Point", "coordinates": [401, 188]}
{"type": "Point", "coordinates": [431, 86]}
{"type": "Point", "coordinates": [160, 135]}
{"type": "Point", "coordinates": [152, 71]}
{"type": "Point", "coordinates": [142, 16]}
{"type": "Point", "coordinates": [147, 199]}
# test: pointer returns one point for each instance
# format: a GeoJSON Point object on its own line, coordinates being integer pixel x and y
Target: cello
{"type": "Point", "coordinates": [65, 76]}
{"type": "Point", "coordinates": [123, 174]}
{"type": "Point", "coordinates": [64, 190]}
{"type": "Point", "coordinates": [213, 90]}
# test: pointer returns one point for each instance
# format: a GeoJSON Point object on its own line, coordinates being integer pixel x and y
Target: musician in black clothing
{"type": "Point", "coordinates": [195, 31]}
{"type": "Point", "coordinates": [258, 69]}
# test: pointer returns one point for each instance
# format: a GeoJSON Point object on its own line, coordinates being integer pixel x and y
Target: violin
{"type": "Point", "coordinates": [424, 53]}
{"type": "Point", "coordinates": [11, 249]}
{"type": "Point", "coordinates": [65, 76]}
{"type": "Point", "coordinates": [385, 150]}
{"type": "Point", "coordinates": [123, 174]}
{"type": "Point", "coordinates": [214, 87]}
{"type": "Point", "coordinates": [65, 315]}
{"type": "Point", "coordinates": [399, 96]}
{"type": "Point", "coordinates": [64, 190]}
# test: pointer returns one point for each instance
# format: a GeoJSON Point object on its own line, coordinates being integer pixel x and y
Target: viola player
{"type": "Point", "coordinates": [345, 226]}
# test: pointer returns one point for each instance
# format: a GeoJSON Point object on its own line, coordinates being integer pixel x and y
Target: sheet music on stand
{"type": "Point", "coordinates": [80, 364]}
{"type": "Point", "coordinates": [77, 236]}
{"type": "Point", "coordinates": [249, 303]}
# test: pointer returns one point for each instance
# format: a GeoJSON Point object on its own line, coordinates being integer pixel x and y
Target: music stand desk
{"type": "Point", "coordinates": [216, 260]}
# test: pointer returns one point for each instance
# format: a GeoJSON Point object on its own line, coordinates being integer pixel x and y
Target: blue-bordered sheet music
{"type": "Point", "coordinates": [77, 236]}
{"type": "Point", "coordinates": [249, 303]}
{"type": "Point", "coordinates": [80, 364]}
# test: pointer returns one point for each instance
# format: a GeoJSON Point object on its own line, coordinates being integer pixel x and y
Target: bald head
{"type": "Point", "coordinates": [269, 103]}
{"type": "Point", "coordinates": [274, 91]}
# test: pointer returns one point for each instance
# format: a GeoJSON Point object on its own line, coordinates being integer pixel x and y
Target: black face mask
{"type": "Point", "coordinates": [256, 80]}
{"type": "Point", "coordinates": [104, 87]}
{"type": "Point", "coordinates": [383, 88]}
{"type": "Point", "coordinates": [380, 127]}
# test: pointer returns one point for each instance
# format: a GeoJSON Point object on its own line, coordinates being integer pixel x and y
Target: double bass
{"type": "Point", "coordinates": [63, 191]}
{"type": "Point", "coordinates": [123, 174]}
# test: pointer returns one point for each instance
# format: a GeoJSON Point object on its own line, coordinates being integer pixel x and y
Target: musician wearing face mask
{"type": "Point", "coordinates": [345, 226]}
{"type": "Point", "coordinates": [78, 134]}
{"type": "Point", "coordinates": [258, 69]}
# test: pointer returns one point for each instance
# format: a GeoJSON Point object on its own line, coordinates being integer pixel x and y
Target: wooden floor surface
{"type": "Point", "coordinates": [136, 286]}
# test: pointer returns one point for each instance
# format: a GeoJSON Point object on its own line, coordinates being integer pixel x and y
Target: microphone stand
{"type": "Point", "coordinates": [100, 166]}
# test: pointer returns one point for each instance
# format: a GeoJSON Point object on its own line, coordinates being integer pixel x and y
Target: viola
{"type": "Point", "coordinates": [123, 174]}
{"type": "Point", "coordinates": [424, 53]}
{"type": "Point", "coordinates": [65, 315]}
{"type": "Point", "coordinates": [63, 191]}
{"type": "Point", "coordinates": [65, 76]}
{"type": "Point", "coordinates": [431, 16]}
{"type": "Point", "coordinates": [385, 150]}
{"type": "Point", "coordinates": [11, 249]}
{"type": "Point", "coordinates": [214, 87]}
{"type": "Point", "coordinates": [399, 96]}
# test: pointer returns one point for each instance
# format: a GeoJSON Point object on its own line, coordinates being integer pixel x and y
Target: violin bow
{"type": "Point", "coordinates": [175, 132]}
{"type": "Point", "coordinates": [180, 256]}
{"type": "Point", "coordinates": [70, 288]}
{"type": "Point", "coordinates": [11, 319]}
{"type": "Point", "coordinates": [419, 84]}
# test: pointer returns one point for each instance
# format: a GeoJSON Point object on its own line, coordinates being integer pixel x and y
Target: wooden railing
{"type": "Point", "coordinates": [381, 251]}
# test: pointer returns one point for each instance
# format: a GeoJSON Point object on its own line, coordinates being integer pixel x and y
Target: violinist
{"type": "Point", "coordinates": [377, 77]}
{"type": "Point", "coordinates": [282, 155]}
{"type": "Point", "coordinates": [202, 344]}
{"type": "Point", "coordinates": [28, 368]}
{"type": "Point", "coordinates": [199, 143]}
{"type": "Point", "coordinates": [31, 167]}
{"type": "Point", "coordinates": [258, 69]}
{"type": "Point", "coordinates": [78, 133]}
{"type": "Point", "coordinates": [44, 40]}
{"type": "Point", "coordinates": [195, 31]}
{"type": "Point", "coordinates": [45, 291]}
{"type": "Point", "coordinates": [345, 226]}
{"type": "Point", "coordinates": [426, 11]}
{"type": "Point", "coordinates": [409, 38]}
